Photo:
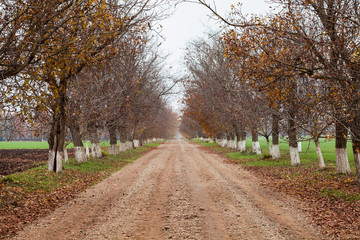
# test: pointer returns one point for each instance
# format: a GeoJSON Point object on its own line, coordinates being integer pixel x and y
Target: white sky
{"type": "Point", "coordinates": [190, 21]}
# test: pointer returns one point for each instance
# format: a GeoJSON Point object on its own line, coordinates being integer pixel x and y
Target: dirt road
{"type": "Point", "coordinates": [177, 191]}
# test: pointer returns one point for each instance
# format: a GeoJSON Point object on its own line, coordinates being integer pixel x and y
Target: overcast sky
{"type": "Point", "coordinates": [190, 21]}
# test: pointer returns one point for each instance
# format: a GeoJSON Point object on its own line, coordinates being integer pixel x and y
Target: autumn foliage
{"type": "Point", "coordinates": [299, 63]}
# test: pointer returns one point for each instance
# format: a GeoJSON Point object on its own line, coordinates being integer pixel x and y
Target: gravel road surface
{"type": "Point", "coordinates": [178, 191]}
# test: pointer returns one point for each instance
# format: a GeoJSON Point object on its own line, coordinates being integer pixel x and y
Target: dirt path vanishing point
{"type": "Point", "coordinates": [177, 191]}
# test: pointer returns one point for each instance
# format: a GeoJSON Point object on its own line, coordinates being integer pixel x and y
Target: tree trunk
{"type": "Point", "coordinates": [243, 141]}
{"type": "Point", "coordinates": [268, 143]}
{"type": "Point", "coordinates": [255, 142]}
{"type": "Point", "coordinates": [87, 148]}
{"type": "Point", "coordinates": [355, 131]}
{"type": "Point", "coordinates": [129, 145]}
{"type": "Point", "coordinates": [133, 136]}
{"type": "Point", "coordinates": [113, 140]}
{"type": "Point", "coordinates": [227, 143]}
{"type": "Point", "coordinates": [239, 140]}
{"type": "Point", "coordinates": [122, 131]}
{"type": "Point", "coordinates": [80, 155]}
{"type": "Point", "coordinates": [95, 142]}
{"type": "Point", "coordinates": [57, 140]}
{"type": "Point", "coordinates": [320, 156]}
{"type": "Point", "coordinates": [51, 142]}
{"type": "Point", "coordinates": [294, 153]}
{"type": "Point", "coordinates": [342, 162]}
{"type": "Point", "coordinates": [236, 137]}
{"type": "Point", "coordinates": [234, 141]}
{"type": "Point", "coordinates": [122, 146]}
{"type": "Point", "coordinates": [135, 143]}
{"type": "Point", "coordinates": [66, 156]}
{"type": "Point", "coordinates": [275, 151]}
{"type": "Point", "coordinates": [223, 142]}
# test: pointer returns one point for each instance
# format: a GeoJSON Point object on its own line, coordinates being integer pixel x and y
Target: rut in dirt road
{"type": "Point", "coordinates": [177, 191]}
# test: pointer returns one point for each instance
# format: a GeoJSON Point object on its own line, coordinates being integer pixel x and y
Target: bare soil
{"type": "Point", "coordinates": [177, 191]}
{"type": "Point", "coordinates": [18, 160]}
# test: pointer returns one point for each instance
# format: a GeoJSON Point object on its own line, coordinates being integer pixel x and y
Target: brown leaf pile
{"type": "Point", "coordinates": [18, 208]}
{"type": "Point", "coordinates": [337, 216]}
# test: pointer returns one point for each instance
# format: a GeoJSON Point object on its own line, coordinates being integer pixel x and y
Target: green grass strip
{"type": "Point", "coordinates": [40, 179]}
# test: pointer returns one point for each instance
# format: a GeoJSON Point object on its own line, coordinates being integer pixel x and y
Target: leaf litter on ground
{"type": "Point", "coordinates": [332, 200]}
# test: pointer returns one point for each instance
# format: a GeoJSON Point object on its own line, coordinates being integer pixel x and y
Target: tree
{"type": "Point", "coordinates": [221, 101]}
{"type": "Point", "coordinates": [85, 39]}
{"type": "Point", "coordinates": [27, 27]}
{"type": "Point", "coordinates": [325, 32]}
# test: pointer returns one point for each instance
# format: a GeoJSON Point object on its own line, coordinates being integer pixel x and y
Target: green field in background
{"type": "Point", "coordinates": [38, 145]}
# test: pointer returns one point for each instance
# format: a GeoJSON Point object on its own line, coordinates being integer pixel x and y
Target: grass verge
{"type": "Point", "coordinates": [333, 200]}
{"type": "Point", "coordinates": [28, 195]}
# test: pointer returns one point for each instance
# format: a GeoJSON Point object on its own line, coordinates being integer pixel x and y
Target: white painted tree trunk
{"type": "Point", "coordinates": [113, 150]}
{"type": "Point", "coordinates": [129, 145]}
{"type": "Point", "coordinates": [234, 144]}
{"type": "Point", "coordinates": [122, 146]}
{"type": "Point", "coordinates": [242, 146]}
{"type": "Point", "coordinates": [80, 154]}
{"type": "Point", "coordinates": [320, 156]}
{"type": "Point", "coordinates": [93, 153]}
{"type": "Point", "coordinates": [299, 147]}
{"type": "Point", "coordinates": [228, 143]}
{"type": "Point", "coordinates": [275, 152]}
{"type": "Point", "coordinates": [243, 142]}
{"type": "Point", "coordinates": [269, 146]}
{"type": "Point", "coordinates": [239, 146]}
{"type": "Point", "coordinates": [59, 161]}
{"type": "Point", "coordinates": [66, 156]}
{"type": "Point", "coordinates": [136, 143]}
{"type": "Point", "coordinates": [342, 161]}
{"type": "Point", "coordinates": [87, 148]}
{"type": "Point", "coordinates": [51, 160]}
{"type": "Point", "coordinates": [294, 156]}
{"type": "Point", "coordinates": [96, 150]}
{"type": "Point", "coordinates": [256, 147]}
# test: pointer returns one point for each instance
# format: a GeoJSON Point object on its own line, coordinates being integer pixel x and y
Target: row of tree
{"type": "Point", "coordinates": [296, 71]}
{"type": "Point", "coordinates": [84, 65]}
